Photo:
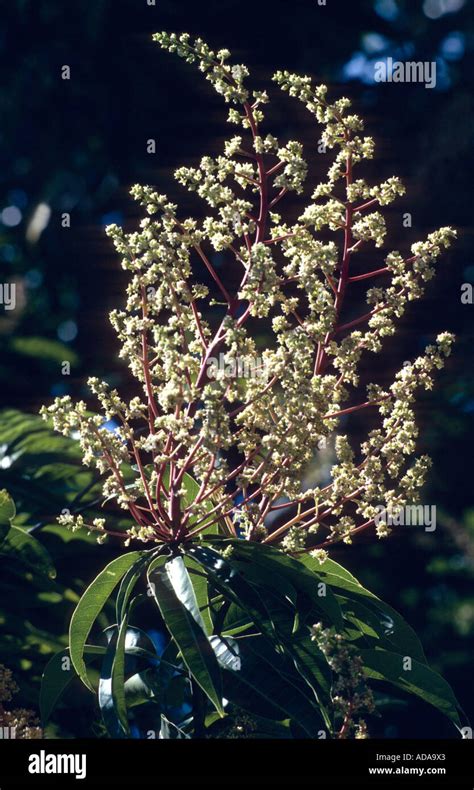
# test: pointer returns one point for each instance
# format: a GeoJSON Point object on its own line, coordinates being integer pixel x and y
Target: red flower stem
{"type": "Point", "coordinates": [367, 275]}
{"type": "Point", "coordinates": [278, 197]}
{"type": "Point", "coordinates": [355, 408]}
{"type": "Point", "coordinates": [188, 462]}
{"type": "Point", "coordinates": [364, 206]}
{"type": "Point", "coordinates": [346, 723]}
{"type": "Point", "coordinates": [281, 238]}
{"type": "Point", "coordinates": [219, 515]}
{"type": "Point", "coordinates": [213, 274]}
{"type": "Point", "coordinates": [206, 262]}
{"type": "Point", "coordinates": [275, 168]}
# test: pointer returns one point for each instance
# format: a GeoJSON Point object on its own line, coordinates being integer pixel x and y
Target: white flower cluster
{"type": "Point", "coordinates": [194, 451]}
{"type": "Point", "coordinates": [75, 523]}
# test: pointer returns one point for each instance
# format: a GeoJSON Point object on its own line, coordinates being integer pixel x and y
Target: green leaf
{"type": "Point", "coordinates": [45, 349]}
{"type": "Point", "coordinates": [112, 698]}
{"type": "Point", "coordinates": [92, 603]}
{"type": "Point", "coordinates": [199, 582]}
{"type": "Point", "coordinates": [20, 545]}
{"type": "Point", "coordinates": [419, 680]}
{"type": "Point", "coordinates": [140, 687]}
{"type": "Point", "coordinates": [313, 667]}
{"type": "Point", "coordinates": [304, 580]}
{"type": "Point", "coordinates": [279, 598]}
{"type": "Point", "coordinates": [363, 623]}
{"type": "Point", "coordinates": [116, 728]}
{"type": "Point", "coordinates": [137, 644]}
{"type": "Point", "coordinates": [176, 600]}
{"type": "Point", "coordinates": [7, 507]}
{"type": "Point", "coordinates": [270, 592]}
{"type": "Point", "coordinates": [328, 566]}
{"type": "Point", "coordinates": [229, 580]}
{"type": "Point", "coordinates": [118, 672]}
{"type": "Point", "coordinates": [127, 585]}
{"type": "Point", "coordinates": [170, 731]}
{"type": "Point", "coordinates": [394, 630]}
{"type": "Point", "coordinates": [268, 685]}
{"type": "Point", "coordinates": [7, 513]}
{"type": "Point", "coordinates": [227, 651]}
{"type": "Point", "coordinates": [260, 576]}
{"type": "Point", "coordinates": [269, 602]}
{"type": "Point", "coordinates": [236, 621]}
{"type": "Point", "coordinates": [58, 675]}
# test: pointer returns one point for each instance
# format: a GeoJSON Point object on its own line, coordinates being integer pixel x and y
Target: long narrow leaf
{"type": "Point", "coordinates": [413, 677]}
{"type": "Point", "coordinates": [176, 600]}
{"type": "Point", "coordinates": [392, 627]}
{"type": "Point", "coordinates": [91, 604]}
{"type": "Point", "coordinates": [115, 724]}
{"type": "Point", "coordinates": [296, 573]}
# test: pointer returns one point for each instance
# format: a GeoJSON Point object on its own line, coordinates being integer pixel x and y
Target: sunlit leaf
{"type": "Point", "coordinates": [91, 603]}
{"type": "Point", "coordinates": [7, 513]}
{"type": "Point", "coordinates": [176, 599]}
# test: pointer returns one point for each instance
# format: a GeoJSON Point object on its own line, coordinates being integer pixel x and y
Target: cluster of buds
{"type": "Point", "coordinates": [351, 695]}
{"type": "Point", "coordinates": [245, 443]}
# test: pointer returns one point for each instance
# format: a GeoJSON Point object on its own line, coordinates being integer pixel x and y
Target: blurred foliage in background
{"type": "Point", "coordinates": [75, 146]}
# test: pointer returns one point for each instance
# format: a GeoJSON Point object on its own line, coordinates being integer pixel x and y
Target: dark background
{"type": "Point", "coordinates": [78, 145]}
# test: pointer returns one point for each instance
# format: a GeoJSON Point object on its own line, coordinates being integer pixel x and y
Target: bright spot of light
{"type": "Point", "coordinates": [433, 9]}
{"type": "Point", "coordinates": [387, 9]}
{"type": "Point", "coordinates": [11, 216]}
{"type": "Point", "coordinates": [374, 42]}
{"type": "Point", "coordinates": [67, 331]}
{"type": "Point", "coordinates": [453, 46]}
{"type": "Point", "coordinates": [355, 67]}
{"type": "Point", "coordinates": [38, 222]}
{"type": "Point", "coordinates": [359, 67]}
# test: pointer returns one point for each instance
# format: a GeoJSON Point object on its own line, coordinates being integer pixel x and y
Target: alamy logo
{"type": "Point", "coordinates": [237, 367]}
{"type": "Point", "coordinates": [8, 295]}
{"type": "Point", "coordinates": [406, 71]}
{"type": "Point", "coordinates": [43, 763]}
{"type": "Point", "coordinates": [7, 733]}
{"type": "Point", "coordinates": [407, 516]}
